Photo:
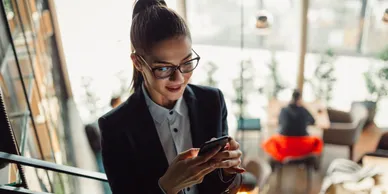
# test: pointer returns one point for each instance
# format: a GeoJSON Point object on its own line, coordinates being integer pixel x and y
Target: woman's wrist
{"type": "Point", "coordinates": [163, 183]}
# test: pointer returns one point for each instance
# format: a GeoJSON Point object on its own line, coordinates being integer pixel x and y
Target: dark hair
{"type": "Point", "coordinates": [296, 95]}
{"type": "Point", "coordinates": [152, 22]}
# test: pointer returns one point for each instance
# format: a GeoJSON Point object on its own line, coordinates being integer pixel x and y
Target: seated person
{"type": "Point", "coordinates": [115, 102]}
{"type": "Point", "coordinates": [293, 141]}
{"type": "Point", "coordinates": [294, 118]}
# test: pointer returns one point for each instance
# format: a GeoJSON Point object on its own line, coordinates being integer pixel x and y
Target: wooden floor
{"type": "Point", "coordinates": [294, 177]}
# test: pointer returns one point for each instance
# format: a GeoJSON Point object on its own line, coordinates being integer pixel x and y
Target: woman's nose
{"type": "Point", "coordinates": [177, 76]}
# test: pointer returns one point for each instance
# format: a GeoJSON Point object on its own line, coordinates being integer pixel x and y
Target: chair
{"type": "Point", "coordinates": [381, 149]}
{"type": "Point", "coordinates": [248, 182]}
{"type": "Point", "coordinates": [259, 169]}
{"type": "Point", "coordinates": [346, 133]}
{"type": "Point", "coordinates": [245, 124]}
{"type": "Point", "coordinates": [310, 162]}
{"type": "Point", "coordinates": [383, 142]}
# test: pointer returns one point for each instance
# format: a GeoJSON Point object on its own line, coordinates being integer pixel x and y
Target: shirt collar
{"type": "Point", "coordinates": [159, 113]}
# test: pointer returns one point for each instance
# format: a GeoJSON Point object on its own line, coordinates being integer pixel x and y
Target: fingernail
{"type": "Point", "coordinates": [241, 170]}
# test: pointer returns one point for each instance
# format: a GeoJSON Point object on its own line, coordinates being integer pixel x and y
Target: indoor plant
{"type": "Point", "coordinates": [323, 80]}
{"type": "Point", "coordinates": [376, 80]}
{"type": "Point", "coordinates": [243, 85]}
{"type": "Point", "coordinates": [210, 68]}
{"type": "Point", "coordinates": [275, 84]}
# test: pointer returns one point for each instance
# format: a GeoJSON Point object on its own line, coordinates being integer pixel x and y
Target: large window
{"type": "Point", "coordinates": [375, 30]}
{"type": "Point", "coordinates": [334, 25]}
{"type": "Point", "coordinates": [29, 82]}
{"type": "Point", "coordinates": [350, 27]}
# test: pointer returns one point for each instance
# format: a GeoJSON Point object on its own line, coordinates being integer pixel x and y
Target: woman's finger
{"type": "Point", "coordinates": [235, 170]}
{"type": "Point", "coordinates": [234, 145]}
{"type": "Point", "coordinates": [225, 155]}
{"type": "Point", "coordinates": [228, 163]}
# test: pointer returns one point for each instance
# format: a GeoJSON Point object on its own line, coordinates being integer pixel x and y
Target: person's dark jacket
{"type": "Point", "coordinates": [94, 137]}
{"type": "Point", "coordinates": [133, 156]}
{"type": "Point", "coordinates": [293, 120]}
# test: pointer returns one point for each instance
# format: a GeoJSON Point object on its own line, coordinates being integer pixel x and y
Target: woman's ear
{"type": "Point", "coordinates": [136, 62]}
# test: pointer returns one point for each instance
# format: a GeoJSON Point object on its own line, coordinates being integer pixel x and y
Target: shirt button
{"type": "Point", "coordinates": [188, 188]}
{"type": "Point", "coordinates": [171, 112]}
{"type": "Point", "coordinates": [175, 130]}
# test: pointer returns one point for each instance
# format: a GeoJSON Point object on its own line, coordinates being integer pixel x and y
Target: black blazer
{"type": "Point", "coordinates": [133, 156]}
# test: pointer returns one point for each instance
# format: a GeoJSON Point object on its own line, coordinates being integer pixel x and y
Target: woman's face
{"type": "Point", "coordinates": [168, 53]}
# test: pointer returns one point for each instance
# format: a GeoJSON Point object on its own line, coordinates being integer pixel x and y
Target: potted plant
{"type": "Point", "coordinates": [7, 6]}
{"type": "Point", "coordinates": [376, 80]}
{"type": "Point", "coordinates": [323, 80]}
{"type": "Point", "coordinates": [210, 68]}
{"type": "Point", "coordinates": [275, 85]}
{"type": "Point", "coordinates": [90, 98]}
{"type": "Point", "coordinates": [243, 85]}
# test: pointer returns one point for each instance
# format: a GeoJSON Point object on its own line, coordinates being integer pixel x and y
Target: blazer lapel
{"type": "Point", "coordinates": [195, 125]}
{"type": "Point", "coordinates": [147, 139]}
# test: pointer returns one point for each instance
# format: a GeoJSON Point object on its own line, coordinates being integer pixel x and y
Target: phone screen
{"type": "Point", "coordinates": [213, 144]}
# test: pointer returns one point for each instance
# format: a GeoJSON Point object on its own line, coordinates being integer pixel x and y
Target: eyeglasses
{"type": "Point", "coordinates": [163, 72]}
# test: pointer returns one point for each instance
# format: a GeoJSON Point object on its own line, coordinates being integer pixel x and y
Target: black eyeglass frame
{"type": "Point", "coordinates": [174, 67]}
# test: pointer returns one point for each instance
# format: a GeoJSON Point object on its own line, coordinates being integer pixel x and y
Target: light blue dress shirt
{"type": "Point", "coordinates": [173, 128]}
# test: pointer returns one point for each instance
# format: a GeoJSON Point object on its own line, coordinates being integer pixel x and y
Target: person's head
{"type": "Point", "coordinates": [115, 101]}
{"type": "Point", "coordinates": [161, 42]}
{"type": "Point", "coordinates": [296, 97]}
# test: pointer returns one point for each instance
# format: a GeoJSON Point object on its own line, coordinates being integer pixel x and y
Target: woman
{"type": "Point", "coordinates": [293, 140]}
{"type": "Point", "coordinates": [150, 142]}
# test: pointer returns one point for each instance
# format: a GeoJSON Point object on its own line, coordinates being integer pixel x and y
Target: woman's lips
{"type": "Point", "coordinates": [174, 88]}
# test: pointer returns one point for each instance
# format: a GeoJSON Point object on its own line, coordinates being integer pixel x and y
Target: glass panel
{"type": "Point", "coordinates": [38, 179]}
{"type": "Point", "coordinates": [376, 30]}
{"type": "Point", "coordinates": [284, 21]}
{"type": "Point", "coordinates": [4, 41]}
{"type": "Point", "coordinates": [34, 49]}
{"type": "Point", "coordinates": [14, 97]}
{"type": "Point", "coordinates": [8, 6]}
{"type": "Point", "coordinates": [334, 25]}
{"type": "Point", "coordinates": [209, 15]}
{"type": "Point", "coordinates": [223, 23]}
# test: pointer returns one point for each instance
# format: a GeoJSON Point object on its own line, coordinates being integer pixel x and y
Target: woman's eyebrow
{"type": "Point", "coordinates": [161, 61]}
{"type": "Point", "coordinates": [188, 56]}
{"type": "Point", "coordinates": [166, 62]}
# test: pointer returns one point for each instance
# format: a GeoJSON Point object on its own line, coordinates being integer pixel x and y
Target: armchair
{"type": "Point", "coordinates": [346, 133]}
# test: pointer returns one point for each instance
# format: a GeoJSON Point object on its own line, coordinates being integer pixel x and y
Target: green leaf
{"type": "Point", "coordinates": [383, 55]}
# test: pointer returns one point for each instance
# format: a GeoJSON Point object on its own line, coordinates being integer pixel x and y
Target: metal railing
{"type": "Point", "coordinates": [16, 159]}
{"type": "Point", "coordinates": [17, 190]}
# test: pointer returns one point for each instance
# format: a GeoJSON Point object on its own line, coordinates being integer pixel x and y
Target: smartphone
{"type": "Point", "coordinates": [213, 144]}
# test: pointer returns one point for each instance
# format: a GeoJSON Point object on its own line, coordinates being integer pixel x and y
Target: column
{"type": "Point", "coordinates": [302, 47]}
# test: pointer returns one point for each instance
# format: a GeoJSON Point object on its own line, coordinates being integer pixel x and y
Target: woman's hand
{"type": "Point", "coordinates": [187, 169]}
{"type": "Point", "coordinates": [230, 159]}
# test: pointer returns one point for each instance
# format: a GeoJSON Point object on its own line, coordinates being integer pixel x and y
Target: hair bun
{"type": "Point", "coordinates": [141, 5]}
